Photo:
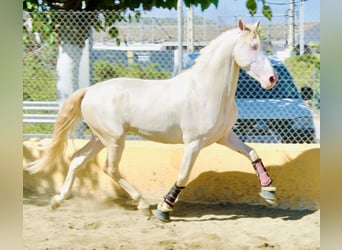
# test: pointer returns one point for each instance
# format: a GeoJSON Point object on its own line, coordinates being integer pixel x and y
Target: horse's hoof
{"type": "Point", "coordinates": [54, 204]}
{"type": "Point", "coordinates": [271, 202]}
{"type": "Point", "coordinates": [163, 216]}
{"type": "Point", "coordinates": [267, 193]}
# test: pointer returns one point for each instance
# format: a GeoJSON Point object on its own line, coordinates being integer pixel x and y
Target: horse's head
{"type": "Point", "coordinates": [250, 57]}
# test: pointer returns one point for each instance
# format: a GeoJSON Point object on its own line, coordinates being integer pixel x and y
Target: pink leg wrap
{"type": "Point", "coordinates": [264, 179]}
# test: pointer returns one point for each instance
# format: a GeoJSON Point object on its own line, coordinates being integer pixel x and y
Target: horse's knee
{"type": "Point", "coordinates": [76, 163]}
{"type": "Point", "coordinates": [112, 172]}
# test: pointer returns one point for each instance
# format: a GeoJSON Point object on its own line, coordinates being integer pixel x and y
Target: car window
{"type": "Point", "coordinates": [250, 88]}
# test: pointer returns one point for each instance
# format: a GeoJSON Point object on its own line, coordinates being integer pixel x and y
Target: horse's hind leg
{"type": "Point", "coordinates": [115, 149]}
{"type": "Point", "coordinates": [88, 151]}
{"type": "Point", "coordinates": [267, 190]}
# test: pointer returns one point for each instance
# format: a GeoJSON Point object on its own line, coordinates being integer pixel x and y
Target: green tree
{"type": "Point", "coordinates": [68, 24]}
{"type": "Point", "coordinates": [54, 23]}
{"type": "Point", "coordinates": [305, 70]}
{"type": "Point", "coordinates": [122, 5]}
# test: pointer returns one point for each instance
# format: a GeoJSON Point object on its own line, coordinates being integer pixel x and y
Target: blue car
{"type": "Point", "coordinates": [278, 115]}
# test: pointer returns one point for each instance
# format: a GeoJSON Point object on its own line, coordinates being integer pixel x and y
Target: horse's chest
{"type": "Point", "coordinates": [214, 126]}
{"type": "Point", "coordinates": [225, 120]}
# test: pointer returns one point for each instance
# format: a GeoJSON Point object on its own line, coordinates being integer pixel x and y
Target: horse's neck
{"type": "Point", "coordinates": [216, 70]}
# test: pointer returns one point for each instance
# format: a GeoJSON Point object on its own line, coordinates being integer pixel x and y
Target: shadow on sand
{"type": "Point", "coordinates": [186, 211]}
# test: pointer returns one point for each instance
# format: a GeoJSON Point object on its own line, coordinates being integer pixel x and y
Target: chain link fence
{"type": "Point", "coordinates": [64, 51]}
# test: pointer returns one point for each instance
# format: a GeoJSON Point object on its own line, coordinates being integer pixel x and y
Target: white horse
{"type": "Point", "coordinates": [195, 108]}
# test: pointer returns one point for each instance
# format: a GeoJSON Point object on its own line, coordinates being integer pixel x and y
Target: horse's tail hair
{"type": "Point", "coordinates": [67, 119]}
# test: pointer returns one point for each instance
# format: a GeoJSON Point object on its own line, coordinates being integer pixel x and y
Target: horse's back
{"type": "Point", "coordinates": [133, 92]}
{"type": "Point", "coordinates": [146, 107]}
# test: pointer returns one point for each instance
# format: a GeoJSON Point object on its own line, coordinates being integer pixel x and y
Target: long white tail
{"type": "Point", "coordinates": [68, 117]}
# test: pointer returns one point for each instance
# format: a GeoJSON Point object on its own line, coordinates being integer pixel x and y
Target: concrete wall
{"type": "Point", "coordinates": [219, 174]}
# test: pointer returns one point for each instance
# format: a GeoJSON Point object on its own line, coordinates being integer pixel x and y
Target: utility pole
{"type": "Point", "coordinates": [291, 35]}
{"type": "Point", "coordinates": [190, 29]}
{"type": "Point", "coordinates": [180, 36]}
{"type": "Point", "coordinates": [301, 27]}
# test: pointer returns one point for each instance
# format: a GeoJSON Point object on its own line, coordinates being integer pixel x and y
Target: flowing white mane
{"type": "Point", "coordinates": [213, 49]}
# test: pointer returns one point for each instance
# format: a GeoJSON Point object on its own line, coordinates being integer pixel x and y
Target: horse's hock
{"type": "Point", "coordinates": [219, 174]}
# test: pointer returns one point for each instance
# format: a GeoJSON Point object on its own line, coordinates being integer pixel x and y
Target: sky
{"type": "Point", "coordinates": [228, 11]}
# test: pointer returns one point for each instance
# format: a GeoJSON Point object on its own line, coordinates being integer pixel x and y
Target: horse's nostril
{"type": "Point", "coordinates": [273, 79]}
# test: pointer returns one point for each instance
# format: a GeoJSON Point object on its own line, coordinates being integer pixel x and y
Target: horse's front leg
{"type": "Point", "coordinates": [267, 190]}
{"type": "Point", "coordinates": [191, 151]}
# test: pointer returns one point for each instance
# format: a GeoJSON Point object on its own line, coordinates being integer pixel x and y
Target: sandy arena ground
{"type": "Point", "coordinates": [84, 223]}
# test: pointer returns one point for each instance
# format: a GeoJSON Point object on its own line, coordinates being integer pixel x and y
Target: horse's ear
{"type": "Point", "coordinates": [241, 25]}
{"type": "Point", "coordinates": [256, 25]}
